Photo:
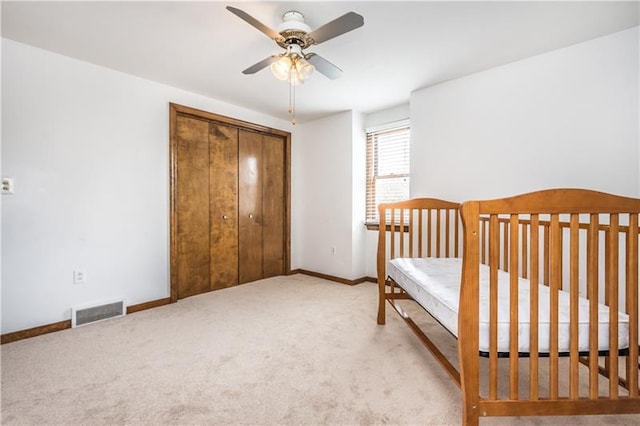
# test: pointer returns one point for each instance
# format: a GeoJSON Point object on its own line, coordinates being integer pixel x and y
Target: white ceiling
{"type": "Point", "coordinates": [403, 46]}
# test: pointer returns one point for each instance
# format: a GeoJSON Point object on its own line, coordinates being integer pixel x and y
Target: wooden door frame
{"type": "Point", "coordinates": [174, 111]}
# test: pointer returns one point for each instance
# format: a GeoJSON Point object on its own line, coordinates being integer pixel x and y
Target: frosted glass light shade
{"type": "Point", "coordinates": [304, 69]}
{"type": "Point", "coordinates": [281, 68]}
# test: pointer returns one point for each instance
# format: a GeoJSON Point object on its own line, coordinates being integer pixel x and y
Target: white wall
{"type": "Point", "coordinates": [89, 150]}
{"type": "Point", "coordinates": [388, 115]}
{"type": "Point", "coordinates": [358, 197]}
{"type": "Point", "coordinates": [568, 118]}
{"type": "Point", "coordinates": [324, 210]}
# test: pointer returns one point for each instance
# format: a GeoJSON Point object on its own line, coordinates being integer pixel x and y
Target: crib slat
{"type": "Point", "coordinates": [592, 295]}
{"type": "Point", "coordinates": [533, 309]}
{"type": "Point", "coordinates": [561, 260]}
{"type": "Point", "coordinates": [573, 306]}
{"type": "Point", "coordinates": [455, 231]}
{"type": "Point", "coordinates": [632, 303]}
{"type": "Point", "coordinates": [494, 257]}
{"type": "Point", "coordinates": [554, 283]}
{"type": "Point", "coordinates": [438, 228]}
{"type": "Point", "coordinates": [505, 237]}
{"type": "Point", "coordinates": [483, 239]}
{"type": "Point", "coordinates": [612, 291]}
{"type": "Point", "coordinates": [411, 239]}
{"type": "Point", "coordinates": [513, 308]}
{"type": "Point", "coordinates": [420, 214]}
{"type": "Point", "coordinates": [392, 225]}
{"type": "Point", "coordinates": [525, 245]}
{"type": "Point", "coordinates": [447, 234]}
{"type": "Point", "coordinates": [545, 277]}
{"type": "Point", "coordinates": [401, 233]}
{"type": "Point", "coordinates": [429, 231]}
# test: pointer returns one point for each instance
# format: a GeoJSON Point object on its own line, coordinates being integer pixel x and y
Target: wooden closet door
{"type": "Point", "coordinates": [223, 205]}
{"type": "Point", "coordinates": [229, 189]}
{"type": "Point", "coordinates": [273, 207]}
{"type": "Point", "coordinates": [250, 206]}
{"type": "Point", "coordinates": [192, 206]}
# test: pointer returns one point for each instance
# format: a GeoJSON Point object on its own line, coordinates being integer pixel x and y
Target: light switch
{"type": "Point", "coordinates": [7, 185]}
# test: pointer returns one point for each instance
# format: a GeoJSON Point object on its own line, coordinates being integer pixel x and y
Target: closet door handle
{"type": "Point", "coordinates": [250, 216]}
{"type": "Point", "coordinates": [224, 216]}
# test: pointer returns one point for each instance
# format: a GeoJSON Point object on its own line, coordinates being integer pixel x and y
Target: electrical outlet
{"type": "Point", "coordinates": [79, 277]}
{"type": "Point", "coordinates": [7, 185]}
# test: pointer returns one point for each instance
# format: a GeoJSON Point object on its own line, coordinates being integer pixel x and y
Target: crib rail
{"type": "Point", "coordinates": [420, 227]}
{"type": "Point", "coordinates": [543, 227]}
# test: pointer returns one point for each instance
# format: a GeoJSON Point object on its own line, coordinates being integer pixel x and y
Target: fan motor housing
{"type": "Point", "coordinates": [294, 30]}
{"type": "Point", "coordinates": [293, 37]}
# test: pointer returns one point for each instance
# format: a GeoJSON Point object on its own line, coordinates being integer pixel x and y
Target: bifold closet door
{"type": "Point", "coordinates": [261, 206]}
{"type": "Point", "coordinates": [207, 206]}
{"type": "Point", "coordinates": [223, 205]}
{"type": "Point", "coordinates": [250, 173]}
{"type": "Point", "coordinates": [192, 194]}
{"type": "Point", "coordinates": [230, 207]}
{"type": "Point", "coordinates": [273, 206]}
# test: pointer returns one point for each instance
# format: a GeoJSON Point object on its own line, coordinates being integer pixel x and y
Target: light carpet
{"type": "Point", "coordinates": [292, 350]}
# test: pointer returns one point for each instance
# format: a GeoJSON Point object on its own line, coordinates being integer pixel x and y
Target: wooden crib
{"type": "Point", "coordinates": [547, 290]}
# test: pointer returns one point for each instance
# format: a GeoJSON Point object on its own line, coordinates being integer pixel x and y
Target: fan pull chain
{"type": "Point", "coordinates": [292, 99]}
{"type": "Point", "coordinates": [293, 102]}
{"type": "Point", "coordinates": [290, 103]}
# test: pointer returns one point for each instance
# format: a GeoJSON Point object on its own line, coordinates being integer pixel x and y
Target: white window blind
{"type": "Point", "coordinates": [388, 171]}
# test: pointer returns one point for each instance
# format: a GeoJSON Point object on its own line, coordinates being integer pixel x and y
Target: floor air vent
{"type": "Point", "coordinates": [88, 315]}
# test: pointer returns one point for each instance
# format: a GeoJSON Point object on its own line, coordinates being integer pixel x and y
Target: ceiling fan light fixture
{"type": "Point", "coordinates": [304, 69]}
{"type": "Point", "coordinates": [294, 35]}
{"type": "Point", "coordinates": [282, 67]}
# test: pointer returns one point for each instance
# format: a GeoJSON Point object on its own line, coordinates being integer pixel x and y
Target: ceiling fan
{"type": "Point", "coordinates": [294, 35]}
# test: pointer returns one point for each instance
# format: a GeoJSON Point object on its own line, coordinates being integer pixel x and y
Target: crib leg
{"type": "Point", "coordinates": [470, 409]}
{"type": "Point", "coordinates": [381, 311]}
{"type": "Point", "coordinates": [381, 303]}
{"type": "Point", "coordinates": [470, 416]}
{"type": "Point", "coordinates": [381, 314]}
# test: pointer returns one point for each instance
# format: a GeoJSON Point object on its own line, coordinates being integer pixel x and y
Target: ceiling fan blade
{"type": "Point", "coordinates": [262, 64]}
{"type": "Point", "coordinates": [323, 66]}
{"type": "Point", "coordinates": [271, 33]}
{"type": "Point", "coordinates": [345, 23]}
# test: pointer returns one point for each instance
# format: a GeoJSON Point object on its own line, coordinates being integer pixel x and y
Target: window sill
{"type": "Point", "coordinates": [376, 227]}
{"type": "Point", "coordinates": [372, 226]}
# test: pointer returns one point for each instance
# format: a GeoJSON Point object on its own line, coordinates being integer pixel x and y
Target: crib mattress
{"type": "Point", "coordinates": [435, 284]}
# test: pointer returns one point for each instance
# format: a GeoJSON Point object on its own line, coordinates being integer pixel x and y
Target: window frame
{"type": "Point", "coordinates": [372, 221]}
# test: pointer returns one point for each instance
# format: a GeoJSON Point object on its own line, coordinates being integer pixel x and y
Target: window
{"type": "Point", "coordinates": [387, 166]}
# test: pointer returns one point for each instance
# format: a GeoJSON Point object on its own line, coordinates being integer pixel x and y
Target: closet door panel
{"type": "Point", "coordinates": [223, 171]}
{"type": "Point", "coordinates": [250, 206]}
{"type": "Point", "coordinates": [273, 206]}
{"type": "Point", "coordinates": [192, 211]}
